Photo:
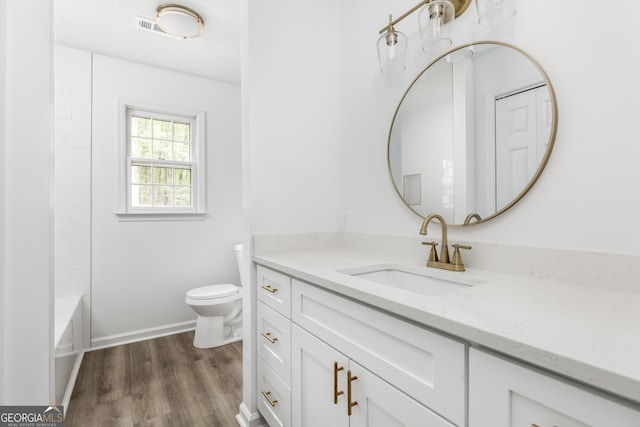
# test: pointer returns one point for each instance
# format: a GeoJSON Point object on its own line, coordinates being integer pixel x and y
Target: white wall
{"type": "Point", "coordinates": [587, 196]}
{"type": "Point", "coordinates": [141, 271]}
{"type": "Point", "coordinates": [300, 130]}
{"type": "Point", "coordinates": [294, 115]}
{"type": "Point", "coordinates": [27, 371]}
{"type": "Point", "coordinates": [72, 177]}
{"type": "Point", "coordinates": [2, 186]}
{"type": "Point", "coordinates": [291, 133]}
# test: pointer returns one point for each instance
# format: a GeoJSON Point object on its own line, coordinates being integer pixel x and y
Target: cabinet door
{"type": "Point", "coordinates": [378, 404]}
{"type": "Point", "coordinates": [315, 385]}
{"type": "Point", "coordinates": [505, 394]}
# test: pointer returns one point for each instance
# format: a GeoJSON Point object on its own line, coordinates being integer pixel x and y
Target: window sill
{"type": "Point", "coordinates": [160, 216]}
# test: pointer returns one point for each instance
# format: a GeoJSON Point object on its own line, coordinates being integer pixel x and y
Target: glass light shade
{"type": "Point", "coordinates": [459, 55]}
{"type": "Point", "coordinates": [436, 19]}
{"type": "Point", "coordinates": [392, 50]}
{"type": "Point", "coordinates": [495, 12]}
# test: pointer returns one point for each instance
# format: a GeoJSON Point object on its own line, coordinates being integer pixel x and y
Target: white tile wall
{"type": "Point", "coordinates": [72, 175]}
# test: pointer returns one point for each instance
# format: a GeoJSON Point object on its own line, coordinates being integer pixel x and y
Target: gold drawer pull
{"type": "Point", "coordinates": [268, 288]}
{"type": "Point", "coordinates": [350, 404]}
{"type": "Point", "coordinates": [266, 396]}
{"type": "Point", "coordinates": [336, 392]}
{"type": "Point", "coordinates": [267, 335]}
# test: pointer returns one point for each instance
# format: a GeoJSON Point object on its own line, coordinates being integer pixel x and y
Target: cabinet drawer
{"type": "Point", "coordinates": [505, 394]}
{"type": "Point", "coordinates": [274, 397]}
{"type": "Point", "coordinates": [274, 289]}
{"type": "Point", "coordinates": [427, 366]}
{"type": "Point", "coordinates": [274, 341]}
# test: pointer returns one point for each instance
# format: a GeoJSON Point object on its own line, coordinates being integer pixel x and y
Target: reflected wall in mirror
{"type": "Point", "coordinates": [472, 133]}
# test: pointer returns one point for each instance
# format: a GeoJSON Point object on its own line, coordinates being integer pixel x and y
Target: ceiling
{"type": "Point", "coordinates": [109, 27]}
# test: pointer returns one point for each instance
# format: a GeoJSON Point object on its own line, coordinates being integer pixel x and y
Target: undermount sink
{"type": "Point", "coordinates": [419, 280]}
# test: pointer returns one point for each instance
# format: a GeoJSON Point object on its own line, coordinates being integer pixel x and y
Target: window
{"type": "Point", "coordinates": [163, 156]}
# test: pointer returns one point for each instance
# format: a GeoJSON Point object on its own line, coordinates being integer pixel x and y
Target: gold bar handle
{"type": "Point", "coordinates": [266, 396]}
{"type": "Point", "coordinates": [336, 392]}
{"type": "Point", "coordinates": [269, 288]}
{"type": "Point", "coordinates": [350, 404]}
{"type": "Point", "coordinates": [267, 335]}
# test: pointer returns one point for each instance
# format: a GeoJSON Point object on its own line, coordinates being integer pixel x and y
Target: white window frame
{"type": "Point", "coordinates": [124, 210]}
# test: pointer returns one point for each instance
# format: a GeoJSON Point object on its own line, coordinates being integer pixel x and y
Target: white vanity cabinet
{"type": "Point", "coordinates": [506, 394]}
{"type": "Point", "coordinates": [311, 342]}
{"type": "Point", "coordinates": [274, 346]}
{"type": "Point", "coordinates": [427, 367]}
{"type": "Point", "coordinates": [316, 345]}
{"type": "Point", "coordinates": [331, 390]}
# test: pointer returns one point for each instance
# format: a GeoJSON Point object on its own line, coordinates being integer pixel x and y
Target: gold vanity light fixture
{"type": "Point", "coordinates": [435, 19]}
{"type": "Point", "coordinates": [459, 55]}
{"type": "Point", "coordinates": [179, 21]}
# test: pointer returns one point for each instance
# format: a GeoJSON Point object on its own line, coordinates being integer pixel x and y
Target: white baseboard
{"type": "Point", "coordinates": [141, 335]}
{"type": "Point", "coordinates": [247, 419]}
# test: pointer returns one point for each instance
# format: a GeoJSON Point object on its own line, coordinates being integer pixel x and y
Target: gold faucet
{"type": "Point", "coordinates": [443, 262]}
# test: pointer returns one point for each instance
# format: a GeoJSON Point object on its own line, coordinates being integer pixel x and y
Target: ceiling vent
{"type": "Point", "coordinates": [150, 25]}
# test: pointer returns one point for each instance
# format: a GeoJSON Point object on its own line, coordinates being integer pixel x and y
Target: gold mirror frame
{"type": "Point", "coordinates": [543, 162]}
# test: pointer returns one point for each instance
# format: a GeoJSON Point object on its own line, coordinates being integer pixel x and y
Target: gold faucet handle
{"type": "Point", "coordinates": [433, 254]}
{"type": "Point", "coordinates": [457, 259]}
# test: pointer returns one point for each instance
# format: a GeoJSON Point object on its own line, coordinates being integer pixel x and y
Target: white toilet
{"type": "Point", "coordinates": [219, 309]}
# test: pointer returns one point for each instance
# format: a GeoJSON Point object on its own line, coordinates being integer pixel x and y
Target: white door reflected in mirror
{"type": "Point", "coordinates": [522, 136]}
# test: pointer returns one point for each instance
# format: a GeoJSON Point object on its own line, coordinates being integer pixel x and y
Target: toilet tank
{"type": "Point", "coordinates": [238, 248]}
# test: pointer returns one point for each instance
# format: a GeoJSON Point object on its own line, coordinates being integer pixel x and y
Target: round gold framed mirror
{"type": "Point", "coordinates": [472, 133]}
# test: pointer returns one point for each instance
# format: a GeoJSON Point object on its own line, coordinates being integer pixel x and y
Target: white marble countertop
{"type": "Point", "coordinates": [589, 334]}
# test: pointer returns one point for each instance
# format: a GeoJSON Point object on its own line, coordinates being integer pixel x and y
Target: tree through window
{"type": "Point", "coordinates": [161, 161]}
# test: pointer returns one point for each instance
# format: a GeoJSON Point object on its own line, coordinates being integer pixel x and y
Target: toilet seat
{"type": "Point", "coordinates": [213, 292]}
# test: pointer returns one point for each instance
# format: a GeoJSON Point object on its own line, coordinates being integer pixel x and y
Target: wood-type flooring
{"type": "Point", "coordinates": [160, 382]}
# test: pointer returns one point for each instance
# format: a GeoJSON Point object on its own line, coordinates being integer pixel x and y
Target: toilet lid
{"type": "Point", "coordinates": [213, 291]}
